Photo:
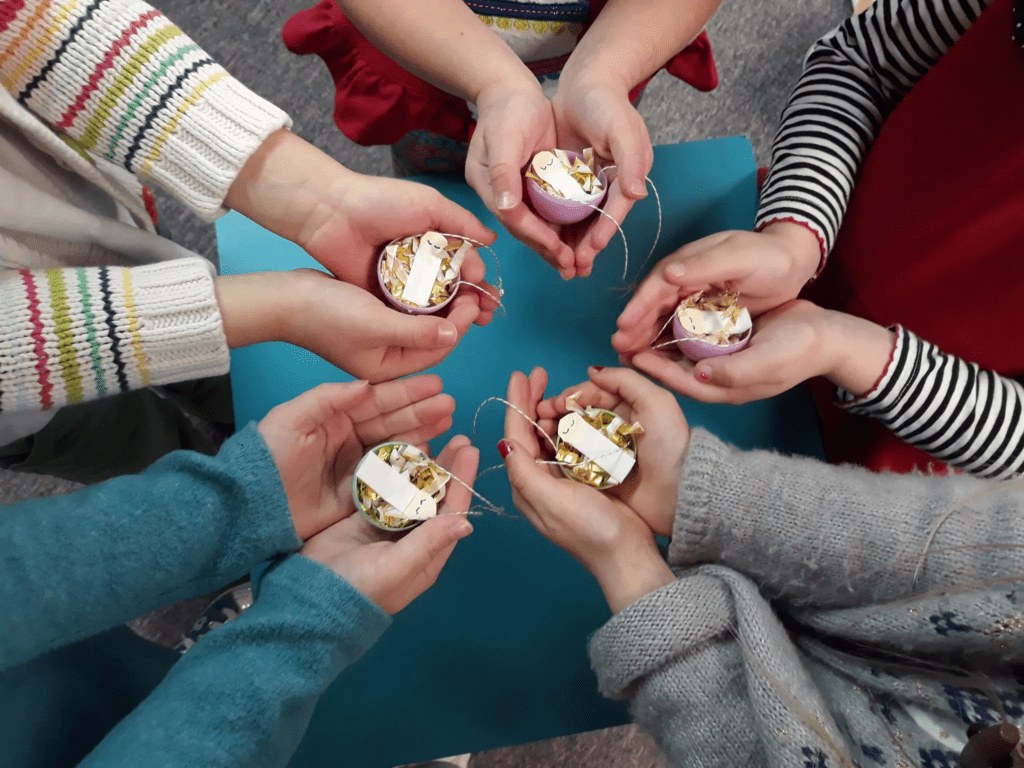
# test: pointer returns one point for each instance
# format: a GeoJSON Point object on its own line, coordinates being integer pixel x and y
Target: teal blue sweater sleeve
{"type": "Point", "coordinates": [243, 695]}
{"type": "Point", "coordinates": [75, 565]}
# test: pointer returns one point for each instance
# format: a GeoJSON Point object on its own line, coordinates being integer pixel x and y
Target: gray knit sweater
{"type": "Point", "coordinates": [796, 635]}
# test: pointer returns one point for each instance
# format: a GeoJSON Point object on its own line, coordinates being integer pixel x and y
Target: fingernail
{"type": "Point", "coordinates": [638, 188]}
{"type": "Point", "coordinates": [675, 270]}
{"type": "Point", "coordinates": [506, 201]}
{"type": "Point", "coordinates": [463, 529]}
{"type": "Point", "coordinates": [504, 448]}
{"type": "Point", "coordinates": [447, 334]}
{"type": "Point", "coordinates": [597, 368]}
{"type": "Point", "coordinates": [704, 374]}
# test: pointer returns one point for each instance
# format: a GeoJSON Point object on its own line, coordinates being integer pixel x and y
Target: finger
{"type": "Point", "coordinates": [426, 548]}
{"type": "Point", "coordinates": [720, 266]}
{"type": "Point", "coordinates": [462, 460]}
{"type": "Point", "coordinates": [524, 225]}
{"type": "Point", "coordinates": [602, 230]}
{"type": "Point", "coordinates": [429, 412]}
{"type": "Point", "coordinates": [421, 435]}
{"type": "Point", "coordinates": [641, 394]}
{"type": "Point", "coordinates": [454, 219]}
{"type": "Point", "coordinates": [391, 328]}
{"type": "Point", "coordinates": [631, 150]}
{"type": "Point", "coordinates": [752, 373]}
{"type": "Point", "coordinates": [590, 394]}
{"type": "Point", "coordinates": [391, 396]}
{"type": "Point", "coordinates": [679, 377]}
{"type": "Point", "coordinates": [531, 482]}
{"type": "Point", "coordinates": [516, 426]}
{"type": "Point", "coordinates": [320, 405]}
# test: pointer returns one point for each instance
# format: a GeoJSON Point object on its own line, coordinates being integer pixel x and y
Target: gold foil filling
{"type": "Point", "coordinates": [396, 266]}
{"type": "Point", "coordinates": [622, 434]}
{"type": "Point", "coordinates": [423, 472]}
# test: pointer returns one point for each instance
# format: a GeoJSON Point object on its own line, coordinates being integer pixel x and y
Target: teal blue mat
{"type": "Point", "coordinates": [495, 653]}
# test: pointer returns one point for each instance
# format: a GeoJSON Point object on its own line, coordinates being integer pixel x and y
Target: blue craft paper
{"type": "Point", "coordinates": [495, 653]}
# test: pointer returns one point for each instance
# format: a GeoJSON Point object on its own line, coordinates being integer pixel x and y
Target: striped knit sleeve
{"type": "Point", "coordinates": [69, 335]}
{"type": "Point", "coordinates": [118, 81]}
{"type": "Point", "coordinates": [852, 80]}
{"type": "Point", "coordinates": [953, 410]}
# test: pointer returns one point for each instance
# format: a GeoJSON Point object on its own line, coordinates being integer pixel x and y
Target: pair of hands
{"type": "Point", "coordinates": [793, 340]}
{"type": "Point", "coordinates": [317, 440]}
{"type": "Point", "coordinates": [516, 121]}
{"type": "Point", "coordinates": [611, 533]}
{"type": "Point", "coordinates": [342, 219]}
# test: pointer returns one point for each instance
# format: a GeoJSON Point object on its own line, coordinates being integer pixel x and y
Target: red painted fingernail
{"type": "Point", "coordinates": [504, 448]}
{"type": "Point", "coordinates": [598, 367]}
{"type": "Point", "coordinates": [703, 374]}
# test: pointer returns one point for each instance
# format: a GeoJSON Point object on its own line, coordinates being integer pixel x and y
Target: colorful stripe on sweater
{"type": "Point", "coordinates": [74, 334]}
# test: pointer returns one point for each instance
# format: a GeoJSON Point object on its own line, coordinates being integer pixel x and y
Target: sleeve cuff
{"type": "Point", "coordinates": [705, 459]}
{"type": "Point", "coordinates": [891, 383]}
{"type": "Point", "coordinates": [179, 333]}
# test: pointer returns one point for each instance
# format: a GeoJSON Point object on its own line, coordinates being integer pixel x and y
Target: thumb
{"type": "Point", "coordinates": [506, 184]}
{"type": "Point", "coordinates": [425, 549]}
{"type": "Point", "coordinates": [528, 480]}
{"type": "Point", "coordinates": [396, 329]}
{"type": "Point", "coordinates": [749, 367]}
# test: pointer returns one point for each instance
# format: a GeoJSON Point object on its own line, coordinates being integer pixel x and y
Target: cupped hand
{"type": "Point", "coordinates": [589, 113]}
{"type": "Point", "coordinates": [766, 268]}
{"type": "Point", "coordinates": [789, 345]}
{"type": "Point", "coordinates": [514, 123]}
{"type": "Point", "coordinates": [651, 489]}
{"type": "Point", "coordinates": [599, 530]}
{"type": "Point", "coordinates": [394, 569]}
{"type": "Point", "coordinates": [343, 219]}
{"type": "Point", "coordinates": [344, 324]}
{"type": "Point", "coordinates": [318, 438]}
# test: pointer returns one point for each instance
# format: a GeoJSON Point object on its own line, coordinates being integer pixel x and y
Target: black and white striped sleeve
{"type": "Point", "coordinates": [953, 410]}
{"type": "Point", "coordinates": [852, 80]}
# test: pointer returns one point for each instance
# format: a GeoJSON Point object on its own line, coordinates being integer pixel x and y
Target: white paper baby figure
{"type": "Point", "coordinates": [424, 268]}
{"type": "Point", "coordinates": [553, 171]}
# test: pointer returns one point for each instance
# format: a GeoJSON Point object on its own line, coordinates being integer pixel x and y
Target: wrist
{"type": "Point", "coordinates": [254, 306]}
{"type": "Point", "coordinates": [625, 577]}
{"type": "Point", "coordinates": [861, 352]}
{"type": "Point", "coordinates": [801, 243]}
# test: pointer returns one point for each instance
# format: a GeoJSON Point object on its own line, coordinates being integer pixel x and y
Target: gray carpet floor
{"type": "Point", "coordinates": [759, 48]}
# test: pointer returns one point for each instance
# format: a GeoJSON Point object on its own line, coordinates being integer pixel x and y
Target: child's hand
{"type": "Point", "coordinates": [343, 219]}
{"type": "Point", "coordinates": [651, 489]}
{"type": "Point", "coordinates": [341, 323]}
{"type": "Point", "coordinates": [790, 344]}
{"type": "Point", "coordinates": [515, 122]}
{"type": "Point", "coordinates": [767, 269]}
{"type": "Point", "coordinates": [593, 114]}
{"type": "Point", "coordinates": [600, 531]}
{"type": "Point", "coordinates": [394, 569]}
{"type": "Point", "coordinates": [318, 438]}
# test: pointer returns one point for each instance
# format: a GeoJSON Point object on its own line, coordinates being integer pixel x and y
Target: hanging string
{"type": "Point", "coordinates": [497, 270]}
{"type": "Point", "coordinates": [657, 234]}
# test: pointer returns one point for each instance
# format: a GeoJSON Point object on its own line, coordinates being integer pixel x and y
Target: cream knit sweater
{"type": "Point", "coordinates": [97, 95]}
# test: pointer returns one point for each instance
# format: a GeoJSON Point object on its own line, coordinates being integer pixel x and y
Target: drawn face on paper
{"type": "Point", "coordinates": [567, 425]}
{"type": "Point", "coordinates": [543, 163]}
{"type": "Point", "coordinates": [436, 242]}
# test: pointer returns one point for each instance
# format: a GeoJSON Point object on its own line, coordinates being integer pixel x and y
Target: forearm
{"type": "Point", "coordinates": [70, 335]}
{"type": "Point", "coordinates": [271, 664]}
{"type": "Point", "coordinates": [954, 410]}
{"type": "Point", "coordinates": [861, 351]}
{"type": "Point", "coordinates": [440, 41]}
{"type": "Point", "coordinates": [830, 536]}
{"type": "Point", "coordinates": [853, 79]}
{"type": "Point", "coordinates": [125, 84]}
{"type": "Point", "coordinates": [629, 41]}
{"type": "Point", "coordinates": [77, 564]}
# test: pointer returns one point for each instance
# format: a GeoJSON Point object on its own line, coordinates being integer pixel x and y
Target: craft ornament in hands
{"type": "Point", "coordinates": [595, 446]}
{"type": "Point", "coordinates": [397, 486]}
{"type": "Point", "coordinates": [420, 274]}
{"type": "Point", "coordinates": [710, 326]}
{"type": "Point", "coordinates": [565, 187]}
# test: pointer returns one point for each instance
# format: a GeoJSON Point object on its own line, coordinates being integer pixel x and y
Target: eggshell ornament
{"type": "Point", "coordinates": [421, 274]}
{"type": "Point", "coordinates": [396, 486]}
{"type": "Point", "coordinates": [595, 447]}
{"type": "Point", "coordinates": [564, 201]}
{"type": "Point", "coordinates": [711, 326]}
